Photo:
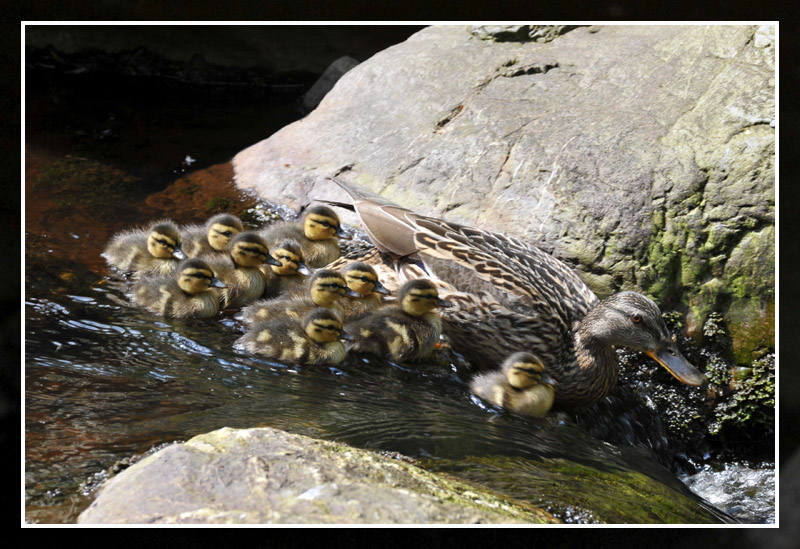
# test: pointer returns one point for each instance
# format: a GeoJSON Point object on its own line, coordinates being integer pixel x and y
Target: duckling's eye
{"type": "Point", "coordinates": [636, 318]}
{"type": "Point", "coordinates": [227, 233]}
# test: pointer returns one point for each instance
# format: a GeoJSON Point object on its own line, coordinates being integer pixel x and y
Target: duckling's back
{"type": "Point", "coordinates": [285, 340]}
{"type": "Point", "coordinates": [163, 296]}
{"type": "Point", "coordinates": [391, 333]}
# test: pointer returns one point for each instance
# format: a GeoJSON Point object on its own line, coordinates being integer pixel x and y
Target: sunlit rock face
{"type": "Point", "coordinates": [643, 155]}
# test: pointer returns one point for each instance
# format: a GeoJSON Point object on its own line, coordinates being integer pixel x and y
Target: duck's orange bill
{"type": "Point", "coordinates": [669, 357]}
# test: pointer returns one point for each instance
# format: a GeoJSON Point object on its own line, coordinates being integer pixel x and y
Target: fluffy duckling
{"type": "Point", "coordinates": [362, 279]}
{"type": "Point", "coordinates": [211, 238]}
{"type": "Point", "coordinates": [315, 340]}
{"type": "Point", "coordinates": [290, 275]}
{"type": "Point", "coordinates": [408, 330]}
{"type": "Point", "coordinates": [325, 289]}
{"type": "Point", "coordinates": [521, 386]}
{"type": "Point", "coordinates": [240, 272]}
{"type": "Point", "coordinates": [153, 251]}
{"type": "Point", "coordinates": [187, 293]}
{"type": "Point", "coordinates": [316, 233]}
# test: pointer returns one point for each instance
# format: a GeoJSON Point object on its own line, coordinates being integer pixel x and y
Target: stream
{"type": "Point", "coordinates": [105, 382]}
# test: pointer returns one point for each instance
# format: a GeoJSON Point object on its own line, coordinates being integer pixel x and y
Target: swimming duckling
{"type": "Point", "coordinates": [316, 233]}
{"type": "Point", "coordinates": [153, 251]}
{"type": "Point", "coordinates": [211, 238]}
{"type": "Point", "coordinates": [315, 340]}
{"type": "Point", "coordinates": [290, 275]}
{"type": "Point", "coordinates": [187, 293]}
{"type": "Point", "coordinates": [408, 330]}
{"type": "Point", "coordinates": [521, 386]}
{"type": "Point", "coordinates": [324, 289]}
{"type": "Point", "coordinates": [362, 279]}
{"type": "Point", "coordinates": [240, 271]}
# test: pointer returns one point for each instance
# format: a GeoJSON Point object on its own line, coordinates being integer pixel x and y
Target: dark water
{"type": "Point", "coordinates": [104, 381]}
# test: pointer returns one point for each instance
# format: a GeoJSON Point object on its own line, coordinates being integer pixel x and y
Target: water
{"type": "Point", "coordinates": [105, 382]}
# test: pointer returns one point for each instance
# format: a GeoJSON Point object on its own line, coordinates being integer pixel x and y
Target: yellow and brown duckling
{"type": "Point", "coordinates": [212, 238]}
{"type": "Point", "coordinates": [314, 340]}
{"type": "Point", "coordinates": [509, 295]}
{"type": "Point", "coordinates": [316, 232]}
{"type": "Point", "coordinates": [363, 280]}
{"type": "Point", "coordinates": [152, 251]}
{"type": "Point", "coordinates": [190, 292]}
{"type": "Point", "coordinates": [324, 288]}
{"type": "Point", "coordinates": [241, 271]}
{"type": "Point", "coordinates": [292, 272]}
{"type": "Point", "coordinates": [521, 386]}
{"type": "Point", "coordinates": [404, 331]}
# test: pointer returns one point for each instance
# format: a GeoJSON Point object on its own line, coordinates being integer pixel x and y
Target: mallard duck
{"type": "Point", "coordinates": [314, 340]}
{"type": "Point", "coordinates": [187, 293]}
{"type": "Point", "coordinates": [211, 238]}
{"type": "Point", "coordinates": [290, 275]}
{"type": "Point", "coordinates": [404, 331]}
{"type": "Point", "coordinates": [324, 289]}
{"type": "Point", "coordinates": [316, 232]}
{"type": "Point", "coordinates": [152, 251]}
{"type": "Point", "coordinates": [240, 271]}
{"type": "Point", "coordinates": [508, 295]}
{"type": "Point", "coordinates": [521, 386]}
{"type": "Point", "coordinates": [363, 280]}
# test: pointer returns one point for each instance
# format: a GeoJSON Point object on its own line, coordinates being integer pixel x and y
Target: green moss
{"type": "Point", "coordinates": [752, 404]}
{"type": "Point", "coordinates": [220, 204]}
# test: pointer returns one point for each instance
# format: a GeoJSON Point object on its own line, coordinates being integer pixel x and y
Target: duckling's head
{"type": "Point", "coordinates": [324, 326]}
{"type": "Point", "coordinates": [419, 297]}
{"type": "Point", "coordinates": [525, 370]}
{"type": "Point", "coordinates": [322, 223]}
{"type": "Point", "coordinates": [221, 229]}
{"type": "Point", "coordinates": [629, 319]}
{"type": "Point", "coordinates": [249, 249]}
{"type": "Point", "coordinates": [164, 241]}
{"type": "Point", "coordinates": [290, 260]}
{"type": "Point", "coordinates": [363, 279]}
{"type": "Point", "coordinates": [327, 286]}
{"type": "Point", "coordinates": [195, 276]}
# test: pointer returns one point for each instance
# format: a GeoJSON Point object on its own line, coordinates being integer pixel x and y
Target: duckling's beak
{"type": "Point", "coordinates": [346, 336]}
{"type": "Point", "coordinates": [217, 283]}
{"type": "Point", "coordinates": [303, 269]}
{"type": "Point", "coordinates": [547, 380]}
{"type": "Point", "coordinates": [272, 261]}
{"type": "Point", "coordinates": [351, 293]}
{"type": "Point", "coordinates": [177, 253]}
{"type": "Point", "coordinates": [380, 288]}
{"type": "Point", "coordinates": [666, 353]}
{"type": "Point", "coordinates": [341, 234]}
{"type": "Point", "coordinates": [443, 303]}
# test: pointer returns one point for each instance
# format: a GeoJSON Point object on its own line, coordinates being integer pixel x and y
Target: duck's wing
{"type": "Point", "coordinates": [515, 273]}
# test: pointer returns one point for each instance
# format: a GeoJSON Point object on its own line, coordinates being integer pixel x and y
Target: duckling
{"type": "Point", "coordinates": [211, 238]}
{"type": "Point", "coordinates": [362, 279]}
{"type": "Point", "coordinates": [405, 331]}
{"type": "Point", "coordinates": [290, 275]}
{"type": "Point", "coordinates": [325, 288]}
{"type": "Point", "coordinates": [521, 386]}
{"type": "Point", "coordinates": [187, 293]}
{"type": "Point", "coordinates": [316, 234]}
{"type": "Point", "coordinates": [153, 251]}
{"type": "Point", "coordinates": [240, 271]}
{"type": "Point", "coordinates": [314, 340]}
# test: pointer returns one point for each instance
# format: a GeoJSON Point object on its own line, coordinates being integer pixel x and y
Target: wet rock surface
{"type": "Point", "coordinates": [269, 476]}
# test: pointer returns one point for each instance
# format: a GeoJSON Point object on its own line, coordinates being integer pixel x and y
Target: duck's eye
{"type": "Point", "coordinates": [636, 318]}
{"type": "Point", "coordinates": [227, 233]}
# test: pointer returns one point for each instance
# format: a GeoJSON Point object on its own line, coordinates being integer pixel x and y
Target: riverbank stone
{"type": "Point", "coordinates": [644, 156]}
{"type": "Point", "coordinates": [268, 476]}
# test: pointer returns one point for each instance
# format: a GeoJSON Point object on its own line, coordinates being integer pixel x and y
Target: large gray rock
{"type": "Point", "coordinates": [268, 476]}
{"type": "Point", "coordinates": [644, 155]}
